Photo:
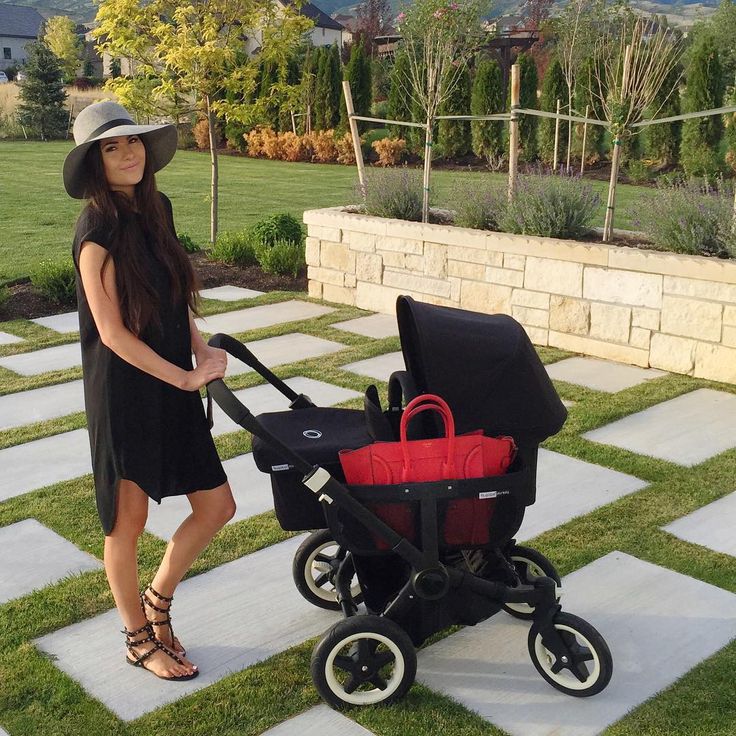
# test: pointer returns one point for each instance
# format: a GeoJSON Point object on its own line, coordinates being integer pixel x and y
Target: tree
{"type": "Point", "coordinates": [553, 88]}
{"type": "Point", "coordinates": [373, 18]}
{"type": "Point", "coordinates": [721, 27]}
{"type": "Point", "coordinates": [487, 99]}
{"type": "Point", "coordinates": [42, 93]}
{"type": "Point", "coordinates": [662, 141]}
{"type": "Point", "coordinates": [196, 51]}
{"type": "Point", "coordinates": [399, 97]}
{"type": "Point", "coordinates": [535, 12]}
{"type": "Point", "coordinates": [595, 136]}
{"type": "Point", "coordinates": [60, 37]}
{"type": "Point", "coordinates": [701, 137]}
{"type": "Point", "coordinates": [335, 85]}
{"type": "Point", "coordinates": [528, 100]}
{"type": "Point", "coordinates": [308, 87]}
{"type": "Point", "coordinates": [454, 135]}
{"type": "Point", "coordinates": [358, 73]}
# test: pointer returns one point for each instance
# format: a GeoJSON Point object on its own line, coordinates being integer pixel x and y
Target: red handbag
{"type": "Point", "coordinates": [450, 457]}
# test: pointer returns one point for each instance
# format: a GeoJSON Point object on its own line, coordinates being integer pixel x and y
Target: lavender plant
{"type": "Point", "coordinates": [479, 207]}
{"type": "Point", "coordinates": [393, 193]}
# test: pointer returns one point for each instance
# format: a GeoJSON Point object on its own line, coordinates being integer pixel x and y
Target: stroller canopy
{"type": "Point", "coordinates": [484, 366]}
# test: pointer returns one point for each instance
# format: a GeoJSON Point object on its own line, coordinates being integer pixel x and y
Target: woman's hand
{"type": "Point", "coordinates": [206, 352]}
{"type": "Point", "coordinates": [211, 364]}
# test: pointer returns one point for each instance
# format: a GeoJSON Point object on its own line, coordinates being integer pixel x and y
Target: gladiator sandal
{"type": "Point", "coordinates": [166, 621]}
{"type": "Point", "coordinates": [139, 660]}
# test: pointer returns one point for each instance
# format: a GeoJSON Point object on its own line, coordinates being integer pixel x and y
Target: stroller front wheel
{"type": "Point", "coordinates": [529, 563]}
{"type": "Point", "coordinates": [364, 660]}
{"type": "Point", "coordinates": [588, 666]}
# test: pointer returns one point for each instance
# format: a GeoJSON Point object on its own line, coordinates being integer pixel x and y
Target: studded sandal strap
{"type": "Point", "coordinates": [137, 631]}
{"type": "Point", "coordinates": [146, 601]}
{"type": "Point", "coordinates": [159, 596]}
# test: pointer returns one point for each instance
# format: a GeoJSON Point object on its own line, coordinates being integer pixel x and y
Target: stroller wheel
{"type": "Point", "coordinates": [314, 568]}
{"type": "Point", "coordinates": [590, 663]}
{"type": "Point", "coordinates": [530, 564]}
{"type": "Point", "coordinates": [364, 660]}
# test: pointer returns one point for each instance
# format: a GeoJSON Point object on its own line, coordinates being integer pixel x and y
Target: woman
{"type": "Point", "coordinates": [148, 432]}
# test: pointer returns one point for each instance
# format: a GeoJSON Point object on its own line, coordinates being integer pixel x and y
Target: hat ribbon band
{"type": "Point", "coordinates": [108, 126]}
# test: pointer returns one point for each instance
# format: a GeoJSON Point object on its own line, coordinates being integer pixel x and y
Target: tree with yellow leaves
{"type": "Point", "coordinates": [64, 43]}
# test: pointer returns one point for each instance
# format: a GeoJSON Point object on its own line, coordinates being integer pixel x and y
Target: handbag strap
{"type": "Point", "coordinates": [428, 402]}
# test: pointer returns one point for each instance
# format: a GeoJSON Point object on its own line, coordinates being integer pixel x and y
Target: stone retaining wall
{"type": "Point", "coordinates": [663, 310]}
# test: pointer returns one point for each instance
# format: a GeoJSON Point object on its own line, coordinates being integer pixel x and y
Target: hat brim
{"type": "Point", "coordinates": [161, 143]}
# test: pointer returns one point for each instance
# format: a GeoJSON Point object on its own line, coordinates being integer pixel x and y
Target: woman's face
{"type": "Point", "coordinates": [123, 159]}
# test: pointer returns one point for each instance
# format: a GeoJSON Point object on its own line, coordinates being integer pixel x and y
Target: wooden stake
{"type": "Point", "coordinates": [293, 122]}
{"type": "Point", "coordinates": [514, 130]}
{"type": "Point", "coordinates": [557, 137]}
{"type": "Point", "coordinates": [427, 169]}
{"type": "Point", "coordinates": [354, 132]}
{"type": "Point", "coordinates": [585, 141]}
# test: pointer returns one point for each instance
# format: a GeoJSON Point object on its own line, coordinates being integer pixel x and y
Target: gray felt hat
{"type": "Point", "coordinates": [105, 120]}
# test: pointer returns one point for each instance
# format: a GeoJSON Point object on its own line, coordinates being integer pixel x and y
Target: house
{"type": "Point", "coordinates": [19, 26]}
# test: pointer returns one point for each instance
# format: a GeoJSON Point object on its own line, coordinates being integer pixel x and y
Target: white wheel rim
{"type": "Point", "coordinates": [313, 568]}
{"type": "Point", "coordinates": [565, 678]}
{"type": "Point", "coordinates": [532, 569]}
{"type": "Point", "coordinates": [375, 695]}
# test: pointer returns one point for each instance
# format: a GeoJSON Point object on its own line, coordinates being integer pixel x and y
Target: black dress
{"type": "Point", "coordinates": [140, 427]}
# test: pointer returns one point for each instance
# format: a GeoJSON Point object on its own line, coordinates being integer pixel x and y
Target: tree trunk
{"type": "Point", "coordinates": [427, 169]}
{"type": "Point", "coordinates": [569, 127]}
{"type": "Point", "coordinates": [213, 160]}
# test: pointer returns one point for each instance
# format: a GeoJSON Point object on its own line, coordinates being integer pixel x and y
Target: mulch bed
{"type": "Point", "coordinates": [25, 302]}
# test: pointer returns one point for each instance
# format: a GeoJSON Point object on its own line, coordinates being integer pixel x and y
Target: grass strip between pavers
{"type": "Point", "coordinates": [36, 697]}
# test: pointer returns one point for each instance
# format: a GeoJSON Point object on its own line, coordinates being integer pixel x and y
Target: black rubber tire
{"type": "Point", "coordinates": [366, 641]}
{"type": "Point", "coordinates": [318, 588]}
{"type": "Point", "coordinates": [587, 639]}
{"type": "Point", "coordinates": [528, 562]}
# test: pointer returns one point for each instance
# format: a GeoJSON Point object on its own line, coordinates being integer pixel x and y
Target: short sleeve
{"type": "Point", "coordinates": [90, 228]}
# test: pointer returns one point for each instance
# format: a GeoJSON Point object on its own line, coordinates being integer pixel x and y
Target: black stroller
{"type": "Point", "coordinates": [487, 370]}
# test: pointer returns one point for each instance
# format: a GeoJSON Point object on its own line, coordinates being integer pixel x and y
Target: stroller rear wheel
{"type": "Point", "coordinates": [530, 564]}
{"type": "Point", "coordinates": [363, 660]}
{"type": "Point", "coordinates": [589, 665]}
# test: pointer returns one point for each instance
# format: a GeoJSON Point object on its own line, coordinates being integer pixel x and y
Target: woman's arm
{"type": "Point", "coordinates": [202, 351]}
{"type": "Point", "coordinates": [104, 304]}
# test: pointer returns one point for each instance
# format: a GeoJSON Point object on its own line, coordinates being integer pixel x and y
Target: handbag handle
{"type": "Point", "coordinates": [428, 402]}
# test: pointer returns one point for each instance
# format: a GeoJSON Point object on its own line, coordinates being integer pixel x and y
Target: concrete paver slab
{"type": "Point", "coordinates": [229, 293]}
{"type": "Point", "coordinates": [229, 618]}
{"type": "Point", "coordinates": [601, 375]}
{"type": "Point", "coordinates": [43, 462]}
{"type": "Point", "coordinates": [318, 721]}
{"type": "Point", "coordinates": [35, 556]}
{"type": "Point", "coordinates": [67, 322]}
{"type": "Point", "coordinates": [373, 325]}
{"type": "Point", "coordinates": [686, 430]}
{"type": "Point", "coordinates": [242, 320]}
{"type": "Point", "coordinates": [381, 367]}
{"type": "Point", "coordinates": [658, 624]}
{"type": "Point", "coordinates": [568, 487]}
{"type": "Point", "coordinates": [40, 404]}
{"type": "Point", "coordinates": [7, 339]}
{"type": "Point", "coordinates": [266, 398]}
{"type": "Point", "coordinates": [713, 526]}
{"type": "Point", "coordinates": [42, 361]}
{"type": "Point", "coordinates": [251, 490]}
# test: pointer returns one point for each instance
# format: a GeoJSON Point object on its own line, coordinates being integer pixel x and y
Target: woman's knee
{"type": "Point", "coordinates": [131, 510]}
{"type": "Point", "coordinates": [217, 506]}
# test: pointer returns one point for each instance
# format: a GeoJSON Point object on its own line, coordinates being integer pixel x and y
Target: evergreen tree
{"type": "Point", "coordinates": [42, 93]}
{"type": "Point", "coordinates": [335, 86]}
{"type": "Point", "coordinates": [662, 141]}
{"type": "Point", "coordinates": [322, 115]}
{"type": "Point", "coordinates": [399, 105]}
{"type": "Point", "coordinates": [358, 72]}
{"type": "Point", "coordinates": [553, 88]}
{"type": "Point", "coordinates": [269, 77]}
{"type": "Point", "coordinates": [528, 100]}
{"type": "Point", "coordinates": [454, 135]}
{"type": "Point", "coordinates": [309, 87]}
{"type": "Point", "coordinates": [701, 137]}
{"type": "Point", "coordinates": [487, 99]}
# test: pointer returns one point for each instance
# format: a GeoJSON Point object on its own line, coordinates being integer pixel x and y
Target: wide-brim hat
{"type": "Point", "coordinates": [105, 120]}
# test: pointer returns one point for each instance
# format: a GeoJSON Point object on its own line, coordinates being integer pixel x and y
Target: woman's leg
{"type": "Point", "coordinates": [121, 567]}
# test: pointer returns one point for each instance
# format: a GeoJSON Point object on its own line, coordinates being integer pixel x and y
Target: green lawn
{"type": "Point", "coordinates": [37, 217]}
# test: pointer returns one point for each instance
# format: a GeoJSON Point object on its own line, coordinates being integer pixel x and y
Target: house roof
{"type": "Point", "coordinates": [320, 18]}
{"type": "Point", "coordinates": [19, 21]}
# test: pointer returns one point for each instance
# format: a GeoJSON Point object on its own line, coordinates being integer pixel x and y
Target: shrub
{"type": "Point", "coordinates": [284, 257]}
{"type": "Point", "coordinates": [393, 193]}
{"type": "Point", "coordinates": [637, 171]}
{"type": "Point", "coordinates": [487, 99]}
{"type": "Point", "coordinates": [4, 294]}
{"type": "Point", "coordinates": [477, 206]}
{"type": "Point", "coordinates": [690, 218]}
{"type": "Point", "coordinates": [56, 281]}
{"type": "Point", "coordinates": [235, 136]}
{"type": "Point", "coordinates": [235, 248]}
{"type": "Point", "coordinates": [390, 150]}
{"type": "Point", "coordinates": [257, 139]}
{"type": "Point", "coordinates": [82, 83]}
{"type": "Point", "coordinates": [325, 149]}
{"type": "Point", "coordinates": [201, 133]}
{"type": "Point", "coordinates": [551, 206]}
{"type": "Point", "coordinates": [295, 147]}
{"type": "Point", "coordinates": [345, 149]}
{"type": "Point", "coordinates": [185, 138]}
{"type": "Point", "coordinates": [188, 243]}
{"type": "Point", "coordinates": [273, 145]}
{"type": "Point", "coordinates": [274, 228]}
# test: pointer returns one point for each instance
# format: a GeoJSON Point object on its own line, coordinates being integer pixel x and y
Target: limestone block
{"type": "Point", "coordinates": [359, 241]}
{"type": "Point", "coordinates": [533, 299]}
{"type": "Point", "coordinates": [505, 276]}
{"type": "Point", "coordinates": [609, 322]}
{"type": "Point", "coordinates": [729, 315]}
{"type": "Point", "coordinates": [537, 335]}
{"type": "Point", "coordinates": [311, 251]}
{"type": "Point", "coordinates": [369, 267]}
{"type": "Point", "coordinates": [715, 362]}
{"type": "Point", "coordinates": [556, 277]}
{"type": "Point", "coordinates": [599, 348]}
{"type": "Point", "coordinates": [326, 275]}
{"type": "Point", "coordinates": [378, 298]}
{"type": "Point", "coordinates": [475, 255]}
{"type": "Point", "coordinates": [337, 256]}
{"type": "Point", "coordinates": [515, 262]}
{"type": "Point", "coordinates": [692, 318]}
{"type": "Point", "coordinates": [325, 233]}
{"type": "Point", "coordinates": [676, 354]}
{"type": "Point", "coordinates": [455, 288]}
{"type": "Point", "coordinates": [405, 230]}
{"type": "Point", "coordinates": [435, 260]}
{"type": "Point", "coordinates": [569, 315]}
{"type": "Point", "coordinates": [673, 264]}
{"type": "Point", "coordinates": [623, 287]}
{"type": "Point", "coordinates": [400, 244]}
{"type": "Point", "coordinates": [531, 317]}
{"type": "Point", "coordinates": [700, 289]}
{"type": "Point", "coordinates": [392, 259]}
{"type": "Point", "coordinates": [338, 294]}
{"type": "Point", "coordinates": [640, 338]}
{"type": "Point", "coordinates": [646, 318]}
{"type": "Point", "coordinates": [455, 236]}
{"type": "Point", "coordinates": [729, 337]}
{"type": "Point", "coordinates": [418, 284]}
{"type": "Point", "coordinates": [314, 289]}
{"type": "Point", "coordinates": [558, 250]}
{"type": "Point", "coordinates": [350, 280]}
{"type": "Point", "coordinates": [488, 298]}
{"type": "Point", "coordinates": [414, 263]}
{"type": "Point", "coordinates": [464, 270]}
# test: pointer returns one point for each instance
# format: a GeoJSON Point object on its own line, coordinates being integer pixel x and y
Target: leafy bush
{"type": "Point", "coordinates": [551, 206]}
{"type": "Point", "coordinates": [637, 171]}
{"type": "Point", "coordinates": [325, 148]}
{"type": "Point", "coordinates": [235, 136]}
{"type": "Point", "coordinates": [296, 147]}
{"type": "Point", "coordinates": [187, 243]}
{"type": "Point", "coordinates": [345, 149]}
{"type": "Point", "coordinates": [235, 248]}
{"type": "Point", "coordinates": [478, 207]}
{"type": "Point", "coordinates": [201, 133]}
{"type": "Point", "coordinates": [390, 150]}
{"type": "Point", "coordinates": [393, 193]}
{"type": "Point", "coordinates": [269, 230]}
{"type": "Point", "coordinates": [56, 281]}
{"type": "Point", "coordinates": [691, 218]}
{"type": "Point", "coordinates": [284, 257]}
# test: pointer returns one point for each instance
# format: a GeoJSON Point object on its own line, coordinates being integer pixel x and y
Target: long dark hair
{"type": "Point", "coordinates": [133, 223]}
